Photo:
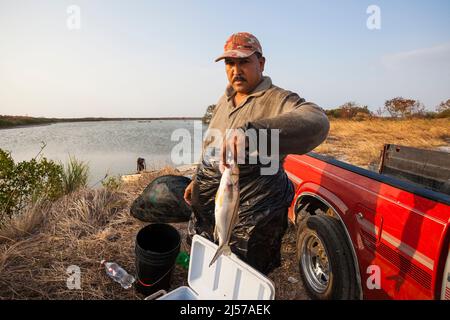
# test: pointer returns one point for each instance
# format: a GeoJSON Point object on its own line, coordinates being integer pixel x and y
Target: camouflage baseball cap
{"type": "Point", "coordinates": [240, 45]}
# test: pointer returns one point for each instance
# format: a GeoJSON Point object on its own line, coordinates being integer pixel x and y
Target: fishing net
{"type": "Point", "coordinates": [162, 201]}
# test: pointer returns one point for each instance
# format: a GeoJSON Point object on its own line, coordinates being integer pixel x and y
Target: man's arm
{"type": "Point", "coordinates": [303, 125]}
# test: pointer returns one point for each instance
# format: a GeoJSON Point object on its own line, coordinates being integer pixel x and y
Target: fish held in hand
{"type": "Point", "coordinates": [226, 208]}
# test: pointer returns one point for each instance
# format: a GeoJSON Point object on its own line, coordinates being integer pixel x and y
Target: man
{"type": "Point", "coordinates": [252, 102]}
{"type": "Point", "coordinates": [141, 166]}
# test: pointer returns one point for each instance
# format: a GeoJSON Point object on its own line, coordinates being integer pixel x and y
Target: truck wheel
{"type": "Point", "coordinates": [325, 260]}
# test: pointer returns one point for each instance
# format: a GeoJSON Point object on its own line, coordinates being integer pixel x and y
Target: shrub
{"type": "Point", "coordinates": [209, 113]}
{"type": "Point", "coordinates": [404, 108]}
{"type": "Point", "coordinates": [444, 114]}
{"type": "Point", "coordinates": [443, 106]}
{"type": "Point", "coordinates": [111, 183]}
{"type": "Point", "coordinates": [443, 109]}
{"type": "Point", "coordinates": [350, 110]}
{"type": "Point", "coordinates": [26, 182]}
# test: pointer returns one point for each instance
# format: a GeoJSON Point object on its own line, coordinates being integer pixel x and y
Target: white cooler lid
{"type": "Point", "coordinates": [228, 278]}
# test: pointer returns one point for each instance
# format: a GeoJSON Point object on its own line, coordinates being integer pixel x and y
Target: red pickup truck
{"type": "Point", "coordinates": [363, 234]}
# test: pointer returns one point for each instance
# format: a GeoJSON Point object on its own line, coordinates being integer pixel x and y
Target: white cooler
{"type": "Point", "coordinates": [229, 278]}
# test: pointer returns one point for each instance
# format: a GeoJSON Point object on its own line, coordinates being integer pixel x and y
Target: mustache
{"type": "Point", "coordinates": [239, 78]}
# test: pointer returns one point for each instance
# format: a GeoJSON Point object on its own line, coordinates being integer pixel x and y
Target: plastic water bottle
{"type": "Point", "coordinates": [118, 274]}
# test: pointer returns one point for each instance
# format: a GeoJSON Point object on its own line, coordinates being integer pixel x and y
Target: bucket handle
{"type": "Point", "coordinates": [165, 274]}
{"type": "Point", "coordinates": [155, 295]}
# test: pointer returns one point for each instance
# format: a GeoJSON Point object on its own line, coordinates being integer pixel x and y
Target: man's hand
{"type": "Point", "coordinates": [188, 193]}
{"type": "Point", "coordinates": [233, 148]}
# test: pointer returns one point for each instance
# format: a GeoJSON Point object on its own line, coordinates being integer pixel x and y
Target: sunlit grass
{"type": "Point", "coordinates": [360, 142]}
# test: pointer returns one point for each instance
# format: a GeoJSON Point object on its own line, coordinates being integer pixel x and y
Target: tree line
{"type": "Point", "coordinates": [399, 107]}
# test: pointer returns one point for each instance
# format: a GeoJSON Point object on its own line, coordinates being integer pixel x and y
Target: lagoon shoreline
{"type": "Point", "coordinates": [9, 122]}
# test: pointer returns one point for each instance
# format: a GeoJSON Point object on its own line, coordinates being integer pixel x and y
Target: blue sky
{"type": "Point", "coordinates": [156, 58]}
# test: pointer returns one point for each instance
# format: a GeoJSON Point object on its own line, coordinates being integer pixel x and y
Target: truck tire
{"type": "Point", "coordinates": [325, 260]}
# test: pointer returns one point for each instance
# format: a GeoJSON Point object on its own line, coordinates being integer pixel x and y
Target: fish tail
{"type": "Point", "coordinates": [223, 249]}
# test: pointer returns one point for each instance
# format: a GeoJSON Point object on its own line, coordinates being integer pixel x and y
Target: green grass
{"type": "Point", "coordinates": [75, 175]}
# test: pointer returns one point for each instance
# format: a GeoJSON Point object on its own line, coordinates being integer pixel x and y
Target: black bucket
{"type": "Point", "coordinates": [157, 247]}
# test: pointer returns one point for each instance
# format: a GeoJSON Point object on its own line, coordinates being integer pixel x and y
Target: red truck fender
{"type": "Point", "coordinates": [309, 190]}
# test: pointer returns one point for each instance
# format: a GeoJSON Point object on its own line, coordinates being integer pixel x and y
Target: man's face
{"type": "Point", "coordinates": [244, 74]}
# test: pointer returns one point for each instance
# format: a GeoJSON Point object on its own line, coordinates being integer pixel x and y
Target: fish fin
{"type": "Point", "coordinates": [225, 249]}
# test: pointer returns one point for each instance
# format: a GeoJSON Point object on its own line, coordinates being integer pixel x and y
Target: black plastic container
{"type": "Point", "coordinates": [157, 247]}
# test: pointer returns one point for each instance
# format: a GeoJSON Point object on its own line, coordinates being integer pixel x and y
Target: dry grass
{"type": "Point", "coordinates": [83, 228]}
{"type": "Point", "coordinates": [360, 142]}
{"type": "Point", "coordinates": [80, 229]}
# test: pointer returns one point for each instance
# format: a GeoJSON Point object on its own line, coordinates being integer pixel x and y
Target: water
{"type": "Point", "coordinates": [109, 147]}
